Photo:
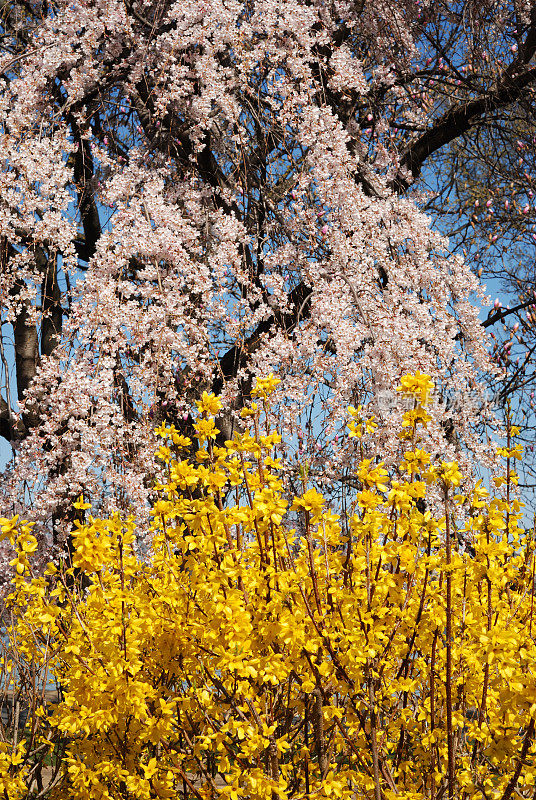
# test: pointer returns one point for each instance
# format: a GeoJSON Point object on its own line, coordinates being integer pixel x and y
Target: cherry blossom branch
{"type": "Point", "coordinates": [460, 119]}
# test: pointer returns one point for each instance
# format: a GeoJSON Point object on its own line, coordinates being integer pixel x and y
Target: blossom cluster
{"type": "Point", "coordinates": [194, 192]}
{"type": "Point", "coordinates": [358, 655]}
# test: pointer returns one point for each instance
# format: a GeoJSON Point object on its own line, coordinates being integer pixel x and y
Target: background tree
{"type": "Point", "coordinates": [487, 209]}
{"type": "Point", "coordinates": [192, 192]}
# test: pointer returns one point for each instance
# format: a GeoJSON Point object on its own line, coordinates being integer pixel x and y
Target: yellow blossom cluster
{"type": "Point", "coordinates": [358, 424]}
{"type": "Point", "coordinates": [273, 649]}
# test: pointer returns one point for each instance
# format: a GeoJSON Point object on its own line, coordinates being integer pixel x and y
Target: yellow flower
{"type": "Point", "coordinates": [221, 631]}
{"type": "Point", "coordinates": [163, 453]}
{"type": "Point", "coordinates": [271, 505]}
{"type": "Point", "coordinates": [356, 429]}
{"type": "Point", "coordinates": [249, 411]}
{"type": "Point", "coordinates": [81, 505]}
{"type": "Point", "coordinates": [356, 425]}
{"type": "Point", "coordinates": [415, 416]}
{"type": "Point", "coordinates": [418, 386]}
{"type": "Point", "coordinates": [399, 496]}
{"type": "Point", "coordinates": [184, 474]}
{"type": "Point", "coordinates": [8, 527]}
{"type": "Point", "coordinates": [368, 499]}
{"type": "Point", "coordinates": [209, 404]}
{"type": "Point", "coordinates": [513, 452]}
{"type": "Point", "coordinates": [415, 460]}
{"type": "Point", "coordinates": [265, 386]}
{"type": "Point", "coordinates": [479, 495]}
{"type": "Point", "coordinates": [311, 501]}
{"type": "Point", "coordinates": [163, 430]}
{"type": "Point", "coordinates": [450, 473]}
{"type": "Point", "coordinates": [371, 424]}
{"type": "Point", "coordinates": [206, 429]}
{"type": "Point", "coordinates": [372, 476]}
{"type": "Point", "coordinates": [180, 441]}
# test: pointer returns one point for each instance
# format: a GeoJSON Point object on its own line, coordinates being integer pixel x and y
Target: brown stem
{"type": "Point", "coordinates": [318, 728]}
{"type": "Point", "coordinates": [306, 743]}
{"type": "Point", "coordinates": [448, 686]}
{"type": "Point", "coordinates": [529, 735]}
{"type": "Point", "coordinates": [373, 738]}
{"type": "Point", "coordinates": [533, 578]}
{"type": "Point", "coordinates": [310, 553]}
{"type": "Point", "coordinates": [432, 713]}
{"type": "Point", "coordinates": [411, 642]}
{"type": "Point", "coordinates": [482, 710]}
{"type": "Point", "coordinates": [508, 470]}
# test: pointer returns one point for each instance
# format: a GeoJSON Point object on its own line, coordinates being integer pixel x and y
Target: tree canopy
{"type": "Point", "coordinates": [196, 192]}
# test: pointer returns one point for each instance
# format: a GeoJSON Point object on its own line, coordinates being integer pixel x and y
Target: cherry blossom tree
{"type": "Point", "coordinates": [483, 194]}
{"type": "Point", "coordinates": [196, 192]}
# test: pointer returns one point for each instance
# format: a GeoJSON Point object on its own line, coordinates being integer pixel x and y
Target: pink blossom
{"type": "Point", "coordinates": [204, 275]}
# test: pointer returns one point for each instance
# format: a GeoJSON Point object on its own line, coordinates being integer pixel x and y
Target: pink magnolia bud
{"type": "Point", "coordinates": [489, 203]}
{"type": "Point", "coordinates": [497, 303]}
{"type": "Point", "coordinates": [324, 229]}
{"type": "Point", "coordinates": [516, 327]}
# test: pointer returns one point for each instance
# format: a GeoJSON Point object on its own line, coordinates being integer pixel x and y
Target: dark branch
{"type": "Point", "coordinates": [83, 175]}
{"type": "Point", "coordinates": [52, 311]}
{"type": "Point", "coordinates": [238, 356]}
{"type": "Point", "coordinates": [457, 121]}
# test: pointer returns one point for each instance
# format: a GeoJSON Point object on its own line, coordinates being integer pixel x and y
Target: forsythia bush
{"type": "Point", "coordinates": [365, 656]}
